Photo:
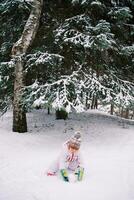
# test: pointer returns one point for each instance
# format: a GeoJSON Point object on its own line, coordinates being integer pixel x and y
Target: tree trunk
{"type": "Point", "coordinates": [112, 109]}
{"type": "Point", "coordinates": [94, 103]}
{"type": "Point", "coordinates": [122, 110]}
{"type": "Point", "coordinates": [87, 101]}
{"type": "Point", "coordinates": [18, 52]}
{"type": "Point", "coordinates": [127, 113]}
{"type": "Point", "coordinates": [132, 115]}
{"type": "Point", "coordinates": [19, 115]}
{"type": "Point", "coordinates": [48, 111]}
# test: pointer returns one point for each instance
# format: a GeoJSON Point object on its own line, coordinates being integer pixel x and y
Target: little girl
{"type": "Point", "coordinates": [69, 159]}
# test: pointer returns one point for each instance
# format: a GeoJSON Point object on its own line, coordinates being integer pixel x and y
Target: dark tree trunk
{"type": "Point", "coordinates": [122, 112]}
{"type": "Point", "coordinates": [94, 103]}
{"type": "Point", "coordinates": [48, 111]}
{"type": "Point", "coordinates": [112, 109]}
{"type": "Point", "coordinates": [127, 114]}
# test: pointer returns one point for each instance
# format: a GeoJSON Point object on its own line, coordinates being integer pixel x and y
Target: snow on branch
{"type": "Point", "coordinates": [127, 50]}
{"type": "Point", "coordinates": [74, 30]}
{"type": "Point", "coordinates": [121, 13]}
{"type": "Point", "coordinates": [48, 59]}
{"type": "Point", "coordinates": [71, 91]}
{"type": "Point", "coordinates": [79, 32]}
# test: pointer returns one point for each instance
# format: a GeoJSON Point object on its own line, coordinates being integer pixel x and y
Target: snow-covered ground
{"type": "Point", "coordinates": [108, 151]}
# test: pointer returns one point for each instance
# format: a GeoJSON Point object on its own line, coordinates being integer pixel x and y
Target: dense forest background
{"type": "Point", "coordinates": [82, 55]}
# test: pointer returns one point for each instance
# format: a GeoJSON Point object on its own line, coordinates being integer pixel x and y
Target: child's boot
{"type": "Point", "coordinates": [64, 175]}
{"type": "Point", "coordinates": [79, 173]}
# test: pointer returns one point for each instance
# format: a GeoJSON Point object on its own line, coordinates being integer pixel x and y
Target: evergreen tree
{"type": "Point", "coordinates": [83, 53]}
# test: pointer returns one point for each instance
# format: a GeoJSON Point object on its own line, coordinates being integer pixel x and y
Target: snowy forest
{"type": "Point", "coordinates": [66, 55]}
{"type": "Point", "coordinates": [66, 99]}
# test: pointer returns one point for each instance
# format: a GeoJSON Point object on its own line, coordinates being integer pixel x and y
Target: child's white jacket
{"type": "Point", "coordinates": [67, 160]}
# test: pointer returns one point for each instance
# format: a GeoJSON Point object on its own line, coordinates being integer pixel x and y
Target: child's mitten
{"type": "Point", "coordinates": [79, 173]}
{"type": "Point", "coordinates": [64, 175]}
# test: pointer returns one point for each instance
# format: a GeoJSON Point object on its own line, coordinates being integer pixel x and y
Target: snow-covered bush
{"type": "Point", "coordinates": [61, 114]}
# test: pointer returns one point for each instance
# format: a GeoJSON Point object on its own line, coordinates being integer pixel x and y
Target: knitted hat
{"type": "Point", "coordinates": [75, 141]}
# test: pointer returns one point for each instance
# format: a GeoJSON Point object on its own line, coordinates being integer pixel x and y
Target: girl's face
{"type": "Point", "coordinates": [72, 150]}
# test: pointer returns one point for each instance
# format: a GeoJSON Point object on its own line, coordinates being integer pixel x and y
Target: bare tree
{"type": "Point", "coordinates": [19, 51]}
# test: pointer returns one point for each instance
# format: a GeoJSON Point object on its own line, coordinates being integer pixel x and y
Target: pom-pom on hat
{"type": "Point", "coordinates": [75, 141]}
